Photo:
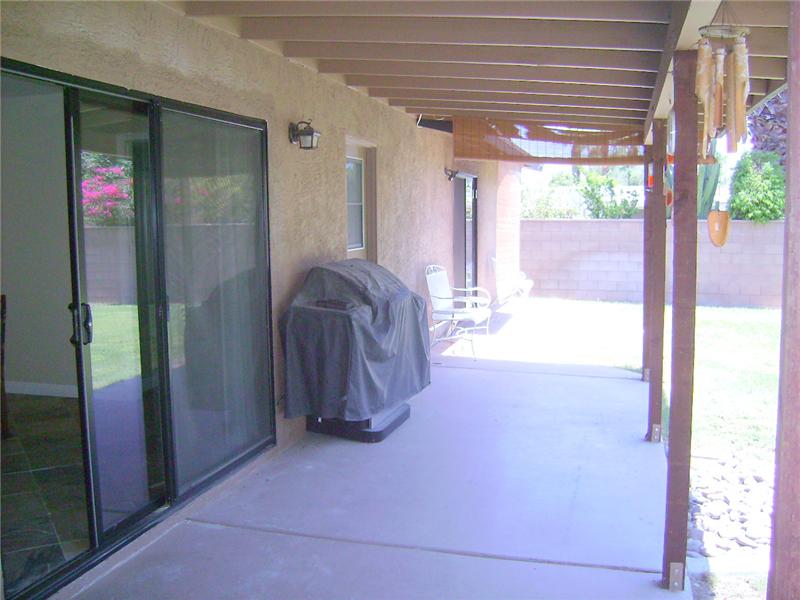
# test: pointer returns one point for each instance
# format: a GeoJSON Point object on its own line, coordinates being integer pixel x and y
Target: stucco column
{"type": "Point", "coordinates": [655, 281]}
{"type": "Point", "coordinates": [684, 300]}
{"type": "Point", "coordinates": [784, 574]}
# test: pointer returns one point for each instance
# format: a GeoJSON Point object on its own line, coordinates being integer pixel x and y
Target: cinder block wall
{"type": "Point", "coordinates": [602, 260]}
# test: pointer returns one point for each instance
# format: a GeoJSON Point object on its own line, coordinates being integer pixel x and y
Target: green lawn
{"type": "Point", "coordinates": [736, 380]}
{"type": "Point", "coordinates": [115, 349]}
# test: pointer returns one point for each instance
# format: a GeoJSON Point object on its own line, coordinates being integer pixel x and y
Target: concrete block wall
{"type": "Point", "coordinates": [602, 260]}
{"type": "Point", "coordinates": [746, 271]}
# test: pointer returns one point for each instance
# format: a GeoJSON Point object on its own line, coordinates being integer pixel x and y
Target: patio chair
{"type": "Point", "coordinates": [511, 282]}
{"type": "Point", "coordinates": [462, 314]}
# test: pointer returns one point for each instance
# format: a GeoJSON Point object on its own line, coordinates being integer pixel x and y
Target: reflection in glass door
{"type": "Point", "coordinates": [216, 281]}
{"type": "Point", "coordinates": [117, 305]}
{"type": "Point", "coordinates": [45, 521]}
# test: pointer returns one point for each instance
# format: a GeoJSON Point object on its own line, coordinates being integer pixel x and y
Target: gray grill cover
{"type": "Point", "coordinates": [356, 342]}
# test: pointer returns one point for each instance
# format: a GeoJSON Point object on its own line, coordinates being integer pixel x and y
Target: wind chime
{"type": "Point", "coordinates": [722, 85]}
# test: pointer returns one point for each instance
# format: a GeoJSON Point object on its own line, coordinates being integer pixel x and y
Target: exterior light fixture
{"type": "Point", "coordinates": [450, 173]}
{"type": "Point", "coordinates": [304, 134]}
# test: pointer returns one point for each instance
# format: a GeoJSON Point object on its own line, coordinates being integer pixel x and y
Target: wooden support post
{"type": "Point", "coordinates": [655, 216]}
{"type": "Point", "coordinates": [647, 269]}
{"type": "Point", "coordinates": [784, 574]}
{"type": "Point", "coordinates": [684, 299]}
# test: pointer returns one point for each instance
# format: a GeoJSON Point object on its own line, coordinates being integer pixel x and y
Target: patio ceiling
{"type": "Point", "coordinates": [568, 63]}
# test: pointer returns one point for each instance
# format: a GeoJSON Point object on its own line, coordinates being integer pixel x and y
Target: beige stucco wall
{"type": "Point", "coordinates": [152, 48]}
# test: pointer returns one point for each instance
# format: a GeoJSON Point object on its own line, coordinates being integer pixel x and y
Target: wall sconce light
{"type": "Point", "coordinates": [304, 134]}
{"type": "Point", "coordinates": [450, 173]}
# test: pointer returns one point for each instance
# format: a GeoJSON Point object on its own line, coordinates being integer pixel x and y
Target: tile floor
{"type": "Point", "coordinates": [44, 520]}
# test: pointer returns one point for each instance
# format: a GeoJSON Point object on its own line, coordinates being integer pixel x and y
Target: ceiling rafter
{"type": "Point", "coordinates": [496, 54]}
{"type": "Point", "coordinates": [472, 31]}
{"type": "Point", "coordinates": [586, 111]}
{"type": "Point", "coordinates": [472, 71]}
{"type": "Point", "coordinates": [417, 97]}
{"type": "Point", "coordinates": [630, 11]}
{"type": "Point", "coordinates": [532, 116]}
{"type": "Point", "coordinates": [499, 85]}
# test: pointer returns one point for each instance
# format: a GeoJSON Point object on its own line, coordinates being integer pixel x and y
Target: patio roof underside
{"type": "Point", "coordinates": [561, 63]}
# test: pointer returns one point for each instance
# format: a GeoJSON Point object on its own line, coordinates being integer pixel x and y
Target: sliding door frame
{"type": "Point", "coordinates": [105, 545]}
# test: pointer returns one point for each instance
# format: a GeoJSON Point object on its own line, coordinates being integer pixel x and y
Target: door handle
{"type": "Point", "coordinates": [88, 323]}
{"type": "Point", "coordinates": [75, 339]}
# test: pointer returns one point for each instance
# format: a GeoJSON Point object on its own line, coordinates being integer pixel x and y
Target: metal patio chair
{"type": "Point", "coordinates": [461, 315]}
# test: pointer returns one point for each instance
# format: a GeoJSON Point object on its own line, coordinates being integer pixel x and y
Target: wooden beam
{"type": "Point", "coordinates": [758, 13]}
{"type": "Point", "coordinates": [496, 55]}
{"type": "Point", "coordinates": [477, 31]}
{"type": "Point", "coordinates": [589, 111]}
{"type": "Point", "coordinates": [399, 96]}
{"type": "Point", "coordinates": [647, 241]}
{"type": "Point", "coordinates": [655, 253]}
{"type": "Point", "coordinates": [679, 10]}
{"type": "Point", "coordinates": [759, 87]}
{"type": "Point", "coordinates": [468, 71]}
{"type": "Point", "coordinates": [498, 85]}
{"type": "Point", "coordinates": [533, 117]}
{"type": "Point", "coordinates": [684, 301]}
{"type": "Point", "coordinates": [762, 67]}
{"type": "Point", "coordinates": [784, 576]}
{"type": "Point", "coordinates": [768, 41]}
{"type": "Point", "coordinates": [642, 12]}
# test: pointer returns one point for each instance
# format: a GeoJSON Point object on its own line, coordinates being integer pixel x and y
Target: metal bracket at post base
{"type": "Point", "coordinates": [676, 576]}
{"type": "Point", "coordinates": [655, 433]}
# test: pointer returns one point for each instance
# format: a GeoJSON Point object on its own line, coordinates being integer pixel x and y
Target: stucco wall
{"type": "Point", "coordinates": [151, 48]}
{"type": "Point", "coordinates": [602, 260]}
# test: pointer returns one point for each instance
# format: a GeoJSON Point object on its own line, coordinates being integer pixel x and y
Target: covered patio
{"type": "Point", "coordinates": [511, 480]}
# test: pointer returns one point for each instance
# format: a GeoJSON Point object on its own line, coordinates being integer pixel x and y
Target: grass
{"type": "Point", "coordinates": [736, 381]}
{"type": "Point", "coordinates": [115, 350]}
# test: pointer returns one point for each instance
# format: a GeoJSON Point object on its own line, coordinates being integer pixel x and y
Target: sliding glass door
{"type": "Point", "coordinates": [45, 515]}
{"type": "Point", "coordinates": [216, 270]}
{"type": "Point", "coordinates": [117, 304]}
{"type": "Point", "coordinates": [136, 329]}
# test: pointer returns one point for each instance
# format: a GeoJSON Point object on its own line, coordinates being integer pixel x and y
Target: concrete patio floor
{"type": "Point", "coordinates": [510, 480]}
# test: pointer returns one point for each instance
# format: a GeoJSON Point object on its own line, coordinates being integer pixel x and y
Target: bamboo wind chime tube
{"type": "Point", "coordinates": [731, 116]}
{"type": "Point", "coordinates": [703, 87]}
{"type": "Point", "coordinates": [719, 91]}
{"type": "Point", "coordinates": [741, 70]}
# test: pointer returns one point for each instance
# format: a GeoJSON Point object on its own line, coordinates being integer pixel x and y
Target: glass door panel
{"type": "Point", "coordinates": [45, 517]}
{"type": "Point", "coordinates": [216, 277]}
{"type": "Point", "coordinates": [470, 231]}
{"type": "Point", "coordinates": [118, 305]}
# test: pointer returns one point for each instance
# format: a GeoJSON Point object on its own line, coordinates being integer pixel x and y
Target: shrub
{"type": "Point", "coordinates": [600, 196]}
{"type": "Point", "coordinates": [758, 188]}
{"type": "Point", "coordinates": [545, 205]}
{"type": "Point", "coordinates": [106, 192]}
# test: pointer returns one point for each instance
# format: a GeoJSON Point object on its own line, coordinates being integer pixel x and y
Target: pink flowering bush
{"type": "Point", "coordinates": [106, 194]}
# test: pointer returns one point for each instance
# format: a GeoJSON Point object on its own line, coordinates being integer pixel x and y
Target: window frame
{"type": "Point", "coordinates": [363, 203]}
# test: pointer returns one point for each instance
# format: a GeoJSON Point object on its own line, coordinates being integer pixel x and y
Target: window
{"type": "Point", "coordinates": [355, 204]}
